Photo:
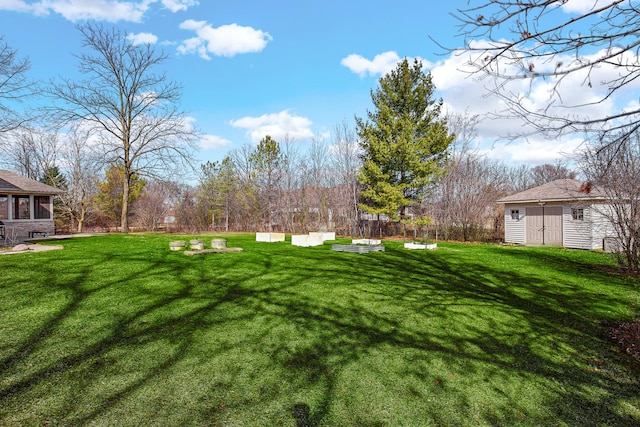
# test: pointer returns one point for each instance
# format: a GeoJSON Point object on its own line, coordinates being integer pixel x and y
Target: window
{"type": "Point", "coordinates": [515, 214]}
{"type": "Point", "coordinates": [4, 206]}
{"type": "Point", "coordinates": [41, 207]}
{"type": "Point", "coordinates": [21, 207]}
{"type": "Point", "coordinates": [577, 214]}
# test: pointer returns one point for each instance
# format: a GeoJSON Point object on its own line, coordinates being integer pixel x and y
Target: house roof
{"type": "Point", "coordinates": [12, 183]}
{"type": "Point", "coordinates": [560, 190]}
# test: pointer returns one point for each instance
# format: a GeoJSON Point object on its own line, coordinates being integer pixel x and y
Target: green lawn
{"type": "Point", "coordinates": [120, 331]}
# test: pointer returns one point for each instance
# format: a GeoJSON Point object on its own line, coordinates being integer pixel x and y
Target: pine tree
{"type": "Point", "coordinates": [404, 141]}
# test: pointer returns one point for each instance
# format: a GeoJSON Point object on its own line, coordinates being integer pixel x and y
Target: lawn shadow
{"type": "Point", "coordinates": [309, 321]}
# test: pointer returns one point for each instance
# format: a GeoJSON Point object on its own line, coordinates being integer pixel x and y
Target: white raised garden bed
{"type": "Point", "coordinates": [366, 241]}
{"type": "Point", "coordinates": [430, 246]}
{"type": "Point", "coordinates": [269, 237]}
{"type": "Point", "coordinates": [306, 240]}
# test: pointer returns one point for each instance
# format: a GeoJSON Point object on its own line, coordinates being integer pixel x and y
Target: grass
{"type": "Point", "coordinates": [118, 330]}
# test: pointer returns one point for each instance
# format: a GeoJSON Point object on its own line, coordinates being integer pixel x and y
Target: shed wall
{"type": "Point", "coordinates": [577, 233]}
{"type": "Point", "coordinates": [514, 229]}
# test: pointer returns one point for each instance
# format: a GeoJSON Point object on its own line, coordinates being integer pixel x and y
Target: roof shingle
{"type": "Point", "coordinates": [559, 190]}
{"type": "Point", "coordinates": [13, 183]}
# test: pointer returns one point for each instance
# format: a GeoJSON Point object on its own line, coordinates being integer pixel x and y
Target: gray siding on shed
{"type": "Point", "coordinates": [602, 228]}
{"type": "Point", "coordinates": [577, 233]}
{"type": "Point", "coordinates": [514, 230]}
{"type": "Point", "coordinates": [559, 198]}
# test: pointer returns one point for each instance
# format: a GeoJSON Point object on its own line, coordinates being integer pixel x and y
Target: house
{"type": "Point", "coordinates": [26, 207]}
{"type": "Point", "coordinates": [564, 212]}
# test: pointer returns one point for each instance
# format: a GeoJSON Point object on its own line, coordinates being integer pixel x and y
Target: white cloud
{"type": "Point", "coordinates": [213, 142]}
{"type": "Point", "coordinates": [16, 5]}
{"type": "Point", "coordinates": [178, 5]}
{"type": "Point", "coordinates": [107, 10]}
{"type": "Point", "coordinates": [279, 126]}
{"type": "Point", "coordinates": [143, 38]}
{"type": "Point", "coordinates": [102, 10]}
{"type": "Point", "coordinates": [533, 152]}
{"type": "Point", "coordinates": [573, 97]}
{"type": "Point", "coordinates": [226, 40]}
{"type": "Point", "coordinates": [381, 64]}
{"type": "Point", "coordinates": [582, 6]}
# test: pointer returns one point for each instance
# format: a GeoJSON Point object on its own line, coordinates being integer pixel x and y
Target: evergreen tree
{"type": "Point", "coordinates": [404, 141]}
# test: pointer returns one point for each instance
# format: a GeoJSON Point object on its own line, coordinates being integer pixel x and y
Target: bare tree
{"type": "Point", "coordinates": [14, 86]}
{"type": "Point", "coordinates": [543, 174]}
{"type": "Point", "coordinates": [464, 198]}
{"type": "Point", "coordinates": [345, 165]}
{"type": "Point", "coordinates": [617, 171]}
{"type": "Point", "coordinates": [465, 127]}
{"type": "Point", "coordinates": [267, 161]}
{"type": "Point", "coordinates": [247, 200]}
{"type": "Point", "coordinates": [82, 166]}
{"type": "Point", "coordinates": [133, 111]}
{"type": "Point", "coordinates": [293, 176]}
{"type": "Point", "coordinates": [152, 206]}
{"type": "Point", "coordinates": [546, 41]}
{"type": "Point", "coordinates": [318, 172]}
{"type": "Point", "coordinates": [31, 151]}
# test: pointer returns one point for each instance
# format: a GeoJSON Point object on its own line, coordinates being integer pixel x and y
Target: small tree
{"type": "Point", "coordinates": [110, 199]}
{"type": "Point", "coordinates": [404, 141]}
{"type": "Point", "coordinates": [152, 205]}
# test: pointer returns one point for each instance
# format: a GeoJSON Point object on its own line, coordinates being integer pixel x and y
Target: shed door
{"type": "Point", "coordinates": [548, 219]}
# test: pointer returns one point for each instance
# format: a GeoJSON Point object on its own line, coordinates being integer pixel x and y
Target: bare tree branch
{"type": "Point", "coordinates": [542, 41]}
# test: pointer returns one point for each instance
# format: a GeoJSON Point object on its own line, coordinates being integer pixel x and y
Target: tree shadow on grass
{"type": "Point", "coordinates": [322, 337]}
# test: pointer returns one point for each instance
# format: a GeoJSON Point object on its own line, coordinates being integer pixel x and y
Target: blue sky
{"type": "Point", "coordinates": [252, 68]}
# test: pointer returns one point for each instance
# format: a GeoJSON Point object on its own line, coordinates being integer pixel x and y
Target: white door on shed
{"type": "Point", "coordinates": [547, 219]}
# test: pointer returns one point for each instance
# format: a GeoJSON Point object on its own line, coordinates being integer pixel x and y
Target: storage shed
{"type": "Point", "coordinates": [564, 212]}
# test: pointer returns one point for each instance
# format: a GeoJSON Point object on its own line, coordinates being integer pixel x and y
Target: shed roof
{"type": "Point", "coordinates": [560, 190]}
{"type": "Point", "coordinates": [13, 183]}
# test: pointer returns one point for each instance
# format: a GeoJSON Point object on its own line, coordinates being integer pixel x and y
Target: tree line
{"type": "Point", "coordinates": [113, 151]}
{"type": "Point", "coordinates": [116, 136]}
